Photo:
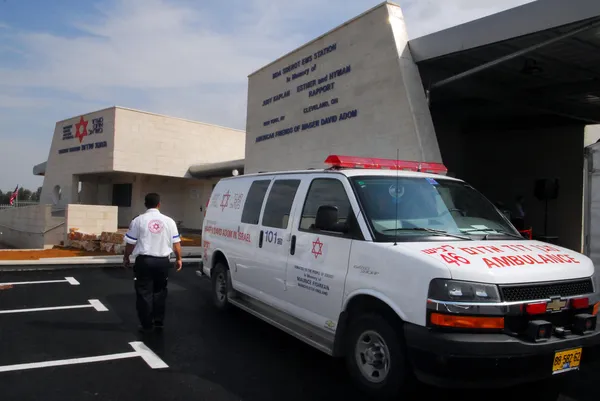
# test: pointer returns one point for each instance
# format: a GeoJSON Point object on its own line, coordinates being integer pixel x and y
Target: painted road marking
{"type": "Point", "coordinates": [70, 280]}
{"type": "Point", "coordinates": [140, 350]}
{"type": "Point", "coordinates": [93, 303]}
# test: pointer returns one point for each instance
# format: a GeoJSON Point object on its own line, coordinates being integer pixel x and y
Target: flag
{"type": "Point", "coordinates": [13, 196]}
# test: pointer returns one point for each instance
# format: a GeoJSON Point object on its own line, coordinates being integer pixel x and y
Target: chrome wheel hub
{"type": "Point", "coordinates": [372, 356]}
{"type": "Point", "coordinates": [221, 287]}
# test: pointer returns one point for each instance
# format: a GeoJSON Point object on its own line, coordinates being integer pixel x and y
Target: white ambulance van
{"type": "Point", "coordinates": [403, 271]}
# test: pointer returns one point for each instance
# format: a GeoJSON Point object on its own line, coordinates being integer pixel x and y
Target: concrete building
{"type": "Point", "coordinates": [503, 101]}
{"type": "Point", "coordinates": [355, 90]}
{"type": "Point", "coordinates": [114, 156]}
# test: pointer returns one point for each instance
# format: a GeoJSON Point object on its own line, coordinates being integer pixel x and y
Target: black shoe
{"type": "Point", "coordinates": [159, 325]}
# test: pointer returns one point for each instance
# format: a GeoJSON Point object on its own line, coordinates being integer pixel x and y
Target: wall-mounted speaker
{"type": "Point", "coordinates": [546, 189]}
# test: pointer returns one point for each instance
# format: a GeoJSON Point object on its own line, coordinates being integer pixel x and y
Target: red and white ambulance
{"type": "Point", "coordinates": [403, 271]}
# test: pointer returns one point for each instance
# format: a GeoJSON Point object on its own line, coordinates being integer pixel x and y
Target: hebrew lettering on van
{"type": "Point", "coordinates": [499, 256]}
{"type": "Point", "coordinates": [237, 201]}
{"type": "Point", "coordinates": [214, 200]}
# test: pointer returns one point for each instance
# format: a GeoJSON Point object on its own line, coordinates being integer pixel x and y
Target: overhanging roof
{"type": "Point", "coordinates": [217, 169]}
{"type": "Point", "coordinates": [40, 169]}
{"type": "Point", "coordinates": [536, 63]}
{"type": "Point", "coordinates": [529, 18]}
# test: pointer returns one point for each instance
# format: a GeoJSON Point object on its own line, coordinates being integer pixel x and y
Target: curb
{"type": "Point", "coordinates": [82, 265]}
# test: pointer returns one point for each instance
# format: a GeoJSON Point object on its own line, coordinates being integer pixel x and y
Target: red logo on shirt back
{"type": "Point", "coordinates": [155, 226]}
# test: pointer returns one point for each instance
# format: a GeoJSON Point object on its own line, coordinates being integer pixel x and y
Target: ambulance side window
{"type": "Point", "coordinates": [254, 201]}
{"type": "Point", "coordinates": [279, 203]}
{"type": "Point", "coordinates": [326, 192]}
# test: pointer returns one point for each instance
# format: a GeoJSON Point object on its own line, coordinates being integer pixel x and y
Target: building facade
{"type": "Point", "coordinates": [115, 156]}
{"type": "Point", "coordinates": [354, 90]}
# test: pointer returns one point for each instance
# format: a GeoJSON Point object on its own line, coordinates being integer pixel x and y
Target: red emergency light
{"type": "Point", "coordinates": [338, 161]}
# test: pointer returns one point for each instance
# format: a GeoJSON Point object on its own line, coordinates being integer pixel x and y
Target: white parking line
{"type": "Point", "coordinates": [93, 303]}
{"type": "Point", "coordinates": [140, 350]}
{"type": "Point", "coordinates": [70, 280]}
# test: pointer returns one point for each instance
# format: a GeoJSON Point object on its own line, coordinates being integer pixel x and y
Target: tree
{"type": "Point", "coordinates": [36, 196]}
{"type": "Point", "coordinates": [24, 195]}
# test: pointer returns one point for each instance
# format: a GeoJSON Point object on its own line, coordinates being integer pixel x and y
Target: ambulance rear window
{"type": "Point", "coordinates": [254, 201]}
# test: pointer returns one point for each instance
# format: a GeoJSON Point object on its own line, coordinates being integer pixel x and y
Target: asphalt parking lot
{"type": "Point", "coordinates": [202, 354]}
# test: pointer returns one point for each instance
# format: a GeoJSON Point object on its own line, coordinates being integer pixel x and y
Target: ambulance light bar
{"type": "Point", "coordinates": [338, 162]}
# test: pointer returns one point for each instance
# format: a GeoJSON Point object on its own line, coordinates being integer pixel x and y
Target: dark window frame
{"type": "Point", "coordinates": [126, 193]}
{"type": "Point", "coordinates": [354, 231]}
{"type": "Point", "coordinates": [262, 202]}
{"type": "Point", "coordinates": [266, 203]}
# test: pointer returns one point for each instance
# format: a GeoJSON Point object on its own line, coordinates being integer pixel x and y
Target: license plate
{"type": "Point", "coordinates": [565, 361]}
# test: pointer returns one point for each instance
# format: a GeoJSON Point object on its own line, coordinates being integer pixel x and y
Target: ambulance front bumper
{"type": "Point", "coordinates": [491, 360]}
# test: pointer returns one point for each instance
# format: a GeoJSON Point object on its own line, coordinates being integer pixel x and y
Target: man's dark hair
{"type": "Point", "coordinates": [152, 200]}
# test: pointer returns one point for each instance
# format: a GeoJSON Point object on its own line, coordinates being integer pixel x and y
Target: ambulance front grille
{"type": "Point", "coordinates": [528, 292]}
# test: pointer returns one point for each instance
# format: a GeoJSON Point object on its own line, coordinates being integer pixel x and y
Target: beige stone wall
{"type": "Point", "coordinates": [153, 144]}
{"type": "Point", "coordinates": [91, 219]}
{"type": "Point", "coordinates": [71, 155]}
{"type": "Point", "coordinates": [181, 199]}
{"type": "Point", "coordinates": [31, 227]}
{"type": "Point", "coordinates": [346, 92]}
{"type": "Point", "coordinates": [131, 142]}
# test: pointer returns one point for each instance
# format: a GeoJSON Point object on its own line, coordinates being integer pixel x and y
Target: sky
{"type": "Point", "coordinates": [182, 58]}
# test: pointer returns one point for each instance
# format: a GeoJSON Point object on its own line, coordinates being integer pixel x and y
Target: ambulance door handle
{"type": "Point", "coordinates": [260, 238]}
{"type": "Point", "coordinates": [293, 246]}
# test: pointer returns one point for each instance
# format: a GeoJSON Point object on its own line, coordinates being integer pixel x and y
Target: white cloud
{"type": "Point", "coordinates": [182, 58]}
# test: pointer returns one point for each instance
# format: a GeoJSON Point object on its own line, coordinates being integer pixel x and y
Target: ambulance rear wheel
{"type": "Point", "coordinates": [376, 358]}
{"type": "Point", "coordinates": [220, 286]}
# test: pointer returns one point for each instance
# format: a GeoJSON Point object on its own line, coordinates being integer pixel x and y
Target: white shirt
{"type": "Point", "coordinates": [153, 234]}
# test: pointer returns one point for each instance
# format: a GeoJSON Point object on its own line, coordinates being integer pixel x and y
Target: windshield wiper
{"type": "Point", "coordinates": [430, 230]}
{"type": "Point", "coordinates": [485, 237]}
{"type": "Point", "coordinates": [495, 232]}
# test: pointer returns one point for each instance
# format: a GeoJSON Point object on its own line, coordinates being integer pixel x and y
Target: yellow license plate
{"type": "Point", "coordinates": [565, 361]}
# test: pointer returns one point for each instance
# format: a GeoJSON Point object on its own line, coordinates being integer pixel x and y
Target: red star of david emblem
{"type": "Point", "coordinates": [225, 200]}
{"type": "Point", "coordinates": [155, 226]}
{"type": "Point", "coordinates": [81, 128]}
{"type": "Point", "coordinates": [317, 248]}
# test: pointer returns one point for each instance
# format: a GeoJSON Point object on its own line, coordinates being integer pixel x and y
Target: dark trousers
{"type": "Point", "coordinates": [151, 275]}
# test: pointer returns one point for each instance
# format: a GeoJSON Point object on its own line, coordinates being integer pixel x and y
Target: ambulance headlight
{"type": "Point", "coordinates": [462, 291]}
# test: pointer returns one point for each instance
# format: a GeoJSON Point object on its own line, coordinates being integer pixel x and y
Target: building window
{"type": "Point", "coordinates": [325, 192]}
{"type": "Point", "coordinates": [121, 195]}
{"type": "Point", "coordinates": [254, 201]}
{"type": "Point", "coordinates": [56, 194]}
{"type": "Point", "coordinates": [279, 203]}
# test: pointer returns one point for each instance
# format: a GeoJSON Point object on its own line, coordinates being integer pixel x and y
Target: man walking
{"type": "Point", "coordinates": [151, 239]}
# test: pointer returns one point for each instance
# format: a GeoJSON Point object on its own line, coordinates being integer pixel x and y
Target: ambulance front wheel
{"type": "Point", "coordinates": [376, 358]}
{"type": "Point", "coordinates": [221, 284]}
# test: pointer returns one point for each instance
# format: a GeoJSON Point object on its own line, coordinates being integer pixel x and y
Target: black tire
{"type": "Point", "coordinates": [220, 296]}
{"type": "Point", "coordinates": [398, 382]}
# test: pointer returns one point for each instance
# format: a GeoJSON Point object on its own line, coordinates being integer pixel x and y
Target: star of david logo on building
{"type": "Point", "coordinates": [317, 248]}
{"type": "Point", "coordinates": [225, 200]}
{"type": "Point", "coordinates": [81, 129]}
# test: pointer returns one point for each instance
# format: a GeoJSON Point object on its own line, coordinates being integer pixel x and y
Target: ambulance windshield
{"type": "Point", "coordinates": [406, 207]}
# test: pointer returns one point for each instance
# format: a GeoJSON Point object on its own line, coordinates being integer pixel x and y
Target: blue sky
{"type": "Point", "coordinates": [185, 58]}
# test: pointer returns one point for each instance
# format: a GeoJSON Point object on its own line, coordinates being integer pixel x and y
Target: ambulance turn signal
{"type": "Point", "coordinates": [466, 322]}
